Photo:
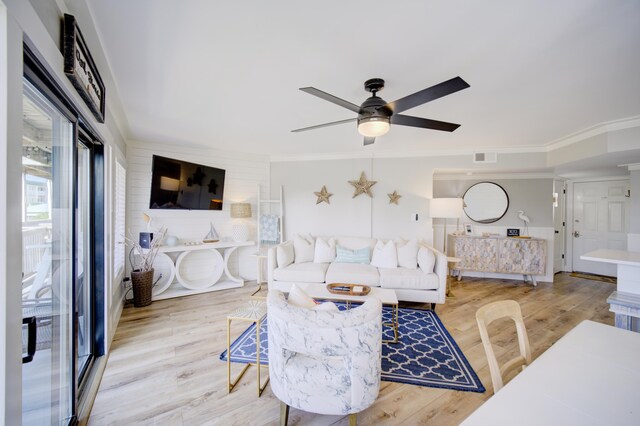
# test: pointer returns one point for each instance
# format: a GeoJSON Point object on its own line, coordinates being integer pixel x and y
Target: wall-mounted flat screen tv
{"type": "Point", "coordinates": [177, 184]}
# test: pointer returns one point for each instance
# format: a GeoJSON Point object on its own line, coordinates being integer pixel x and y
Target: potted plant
{"type": "Point", "coordinates": [142, 268]}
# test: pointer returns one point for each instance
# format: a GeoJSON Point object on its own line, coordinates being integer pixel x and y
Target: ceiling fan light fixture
{"type": "Point", "coordinates": [373, 126]}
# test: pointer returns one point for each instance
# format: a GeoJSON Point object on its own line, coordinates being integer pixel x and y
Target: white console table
{"type": "Point", "coordinates": [525, 256]}
{"type": "Point", "coordinates": [625, 302]}
{"type": "Point", "coordinates": [196, 269]}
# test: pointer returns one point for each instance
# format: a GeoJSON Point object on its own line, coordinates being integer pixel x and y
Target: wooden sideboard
{"type": "Point", "coordinates": [525, 256]}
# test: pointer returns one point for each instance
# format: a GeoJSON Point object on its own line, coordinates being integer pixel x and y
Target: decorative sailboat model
{"type": "Point", "coordinates": [212, 236]}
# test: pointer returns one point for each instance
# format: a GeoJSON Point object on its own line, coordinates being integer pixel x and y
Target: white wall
{"type": "Point", "coordinates": [243, 175]}
{"type": "Point", "coordinates": [533, 196]}
{"type": "Point", "coordinates": [360, 216]}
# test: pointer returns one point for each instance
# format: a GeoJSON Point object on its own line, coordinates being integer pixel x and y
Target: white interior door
{"type": "Point", "coordinates": [600, 221]}
{"type": "Point", "coordinates": [559, 225]}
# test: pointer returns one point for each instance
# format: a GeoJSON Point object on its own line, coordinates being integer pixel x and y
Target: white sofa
{"type": "Point", "coordinates": [410, 284]}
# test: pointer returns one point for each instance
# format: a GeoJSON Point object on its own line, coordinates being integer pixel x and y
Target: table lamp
{"type": "Point", "coordinates": [446, 208]}
{"type": "Point", "coordinates": [240, 229]}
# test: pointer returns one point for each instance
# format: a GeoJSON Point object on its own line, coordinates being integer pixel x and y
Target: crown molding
{"type": "Point", "coordinates": [502, 176]}
{"type": "Point", "coordinates": [598, 129]}
{"type": "Point", "coordinates": [405, 154]}
{"type": "Point", "coordinates": [631, 167]}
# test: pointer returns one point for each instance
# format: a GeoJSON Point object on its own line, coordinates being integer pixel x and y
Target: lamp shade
{"type": "Point", "coordinates": [169, 184]}
{"type": "Point", "coordinates": [240, 210]}
{"type": "Point", "coordinates": [446, 207]}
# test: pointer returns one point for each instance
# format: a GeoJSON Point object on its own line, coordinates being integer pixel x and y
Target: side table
{"type": "Point", "coordinates": [260, 259]}
{"type": "Point", "coordinates": [254, 311]}
{"type": "Point", "coordinates": [452, 263]}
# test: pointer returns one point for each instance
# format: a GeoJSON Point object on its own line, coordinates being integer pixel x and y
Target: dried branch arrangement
{"type": "Point", "coordinates": [143, 258]}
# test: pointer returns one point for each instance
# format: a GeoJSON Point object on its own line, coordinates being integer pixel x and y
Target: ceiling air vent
{"type": "Point", "coordinates": [485, 157]}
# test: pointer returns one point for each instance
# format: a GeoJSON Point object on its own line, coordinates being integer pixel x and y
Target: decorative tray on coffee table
{"type": "Point", "coordinates": [349, 289]}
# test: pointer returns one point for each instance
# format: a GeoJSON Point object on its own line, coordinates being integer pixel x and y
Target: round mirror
{"type": "Point", "coordinates": [485, 202]}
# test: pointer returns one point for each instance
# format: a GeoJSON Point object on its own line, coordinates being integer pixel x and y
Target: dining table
{"type": "Point", "coordinates": [590, 376]}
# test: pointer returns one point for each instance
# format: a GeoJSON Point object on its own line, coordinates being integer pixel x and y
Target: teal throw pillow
{"type": "Point", "coordinates": [345, 255]}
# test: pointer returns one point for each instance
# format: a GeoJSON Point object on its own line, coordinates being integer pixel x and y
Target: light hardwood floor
{"type": "Point", "coordinates": [164, 366]}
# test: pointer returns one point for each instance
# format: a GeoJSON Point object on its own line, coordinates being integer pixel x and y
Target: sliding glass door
{"type": "Point", "coordinates": [62, 252]}
{"type": "Point", "coordinates": [48, 261]}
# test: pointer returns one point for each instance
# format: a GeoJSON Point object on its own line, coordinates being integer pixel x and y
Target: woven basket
{"type": "Point", "coordinates": [142, 283]}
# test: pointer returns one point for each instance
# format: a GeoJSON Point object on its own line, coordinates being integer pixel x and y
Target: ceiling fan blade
{"type": "Point", "coordinates": [333, 99]}
{"type": "Point", "coordinates": [426, 95]}
{"type": "Point", "coordinates": [317, 126]}
{"type": "Point", "coordinates": [425, 123]}
{"type": "Point", "coordinates": [368, 140]}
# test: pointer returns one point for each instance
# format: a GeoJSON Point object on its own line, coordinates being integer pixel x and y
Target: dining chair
{"type": "Point", "coordinates": [485, 316]}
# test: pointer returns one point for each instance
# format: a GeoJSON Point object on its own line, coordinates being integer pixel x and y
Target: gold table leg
{"type": "Point", "coordinates": [232, 384]}
{"type": "Point", "coordinates": [393, 324]}
{"type": "Point", "coordinates": [257, 291]}
{"type": "Point", "coordinates": [260, 388]}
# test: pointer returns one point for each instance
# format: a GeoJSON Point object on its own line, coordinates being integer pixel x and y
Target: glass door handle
{"type": "Point", "coordinates": [31, 338]}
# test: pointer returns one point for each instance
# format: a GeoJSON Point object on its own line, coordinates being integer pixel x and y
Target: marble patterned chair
{"type": "Point", "coordinates": [324, 361]}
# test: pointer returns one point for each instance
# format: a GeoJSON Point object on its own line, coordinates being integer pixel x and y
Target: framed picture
{"type": "Point", "coordinates": [80, 68]}
{"type": "Point", "coordinates": [468, 229]}
{"type": "Point", "coordinates": [513, 232]}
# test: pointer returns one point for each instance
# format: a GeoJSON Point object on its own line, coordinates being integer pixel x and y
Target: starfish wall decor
{"type": "Point", "coordinates": [323, 195]}
{"type": "Point", "coordinates": [394, 197]}
{"type": "Point", "coordinates": [362, 186]}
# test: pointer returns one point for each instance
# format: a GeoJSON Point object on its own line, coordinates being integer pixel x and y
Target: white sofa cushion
{"type": "Point", "coordinates": [325, 250]}
{"type": "Point", "coordinates": [309, 272]}
{"type": "Point", "coordinates": [426, 259]}
{"type": "Point", "coordinates": [284, 254]}
{"type": "Point", "coordinates": [384, 255]}
{"type": "Point", "coordinates": [353, 273]}
{"type": "Point", "coordinates": [407, 253]}
{"type": "Point", "coordinates": [406, 278]}
{"type": "Point", "coordinates": [303, 248]}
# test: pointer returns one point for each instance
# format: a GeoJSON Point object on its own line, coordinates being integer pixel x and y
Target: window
{"type": "Point", "coordinates": [119, 200]}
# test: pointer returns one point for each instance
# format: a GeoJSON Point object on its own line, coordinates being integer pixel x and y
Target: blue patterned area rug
{"type": "Point", "coordinates": [425, 355]}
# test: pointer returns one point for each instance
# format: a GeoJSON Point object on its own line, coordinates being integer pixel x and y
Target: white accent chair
{"type": "Point", "coordinates": [324, 361]}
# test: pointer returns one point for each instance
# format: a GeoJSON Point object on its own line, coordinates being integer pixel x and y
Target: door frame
{"type": "Point", "coordinates": [562, 205]}
{"type": "Point", "coordinates": [570, 209]}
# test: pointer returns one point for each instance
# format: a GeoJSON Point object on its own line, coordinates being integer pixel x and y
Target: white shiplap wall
{"type": "Point", "coordinates": [244, 172]}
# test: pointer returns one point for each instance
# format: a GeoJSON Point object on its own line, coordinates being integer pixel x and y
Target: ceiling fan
{"type": "Point", "coordinates": [375, 115]}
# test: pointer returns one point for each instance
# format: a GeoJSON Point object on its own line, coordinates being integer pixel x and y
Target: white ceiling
{"type": "Point", "coordinates": [226, 73]}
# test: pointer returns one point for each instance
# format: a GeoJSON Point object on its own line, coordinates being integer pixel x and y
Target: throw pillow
{"type": "Point", "coordinates": [325, 250]}
{"type": "Point", "coordinates": [426, 259]}
{"type": "Point", "coordinates": [407, 253]}
{"type": "Point", "coordinates": [303, 248]}
{"type": "Point", "coordinates": [384, 255]}
{"type": "Point", "coordinates": [327, 306]}
{"type": "Point", "coordinates": [299, 298]}
{"type": "Point", "coordinates": [345, 255]}
{"type": "Point", "coordinates": [284, 254]}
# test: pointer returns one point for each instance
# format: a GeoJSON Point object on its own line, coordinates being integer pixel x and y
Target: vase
{"type": "Point", "coordinates": [142, 283]}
